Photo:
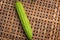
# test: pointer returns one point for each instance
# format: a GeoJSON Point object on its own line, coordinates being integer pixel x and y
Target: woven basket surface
{"type": "Point", "coordinates": [44, 17]}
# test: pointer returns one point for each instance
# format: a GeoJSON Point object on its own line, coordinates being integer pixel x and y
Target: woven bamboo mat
{"type": "Point", "coordinates": [44, 17]}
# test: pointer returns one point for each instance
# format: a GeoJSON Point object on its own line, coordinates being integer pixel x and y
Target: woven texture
{"type": "Point", "coordinates": [44, 17]}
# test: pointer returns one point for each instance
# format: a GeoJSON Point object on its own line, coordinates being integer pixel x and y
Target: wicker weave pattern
{"type": "Point", "coordinates": [44, 16]}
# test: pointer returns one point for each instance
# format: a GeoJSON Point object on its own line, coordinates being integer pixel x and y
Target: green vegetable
{"type": "Point", "coordinates": [24, 20]}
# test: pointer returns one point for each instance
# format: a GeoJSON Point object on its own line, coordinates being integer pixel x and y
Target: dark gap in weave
{"type": "Point", "coordinates": [59, 0]}
{"type": "Point", "coordinates": [0, 34]}
{"type": "Point", "coordinates": [1, 28]}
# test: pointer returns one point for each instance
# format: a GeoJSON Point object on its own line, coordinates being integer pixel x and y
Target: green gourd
{"type": "Point", "coordinates": [24, 20]}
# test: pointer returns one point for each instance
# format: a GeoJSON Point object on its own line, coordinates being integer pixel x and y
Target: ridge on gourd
{"type": "Point", "coordinates": [24, 20]}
